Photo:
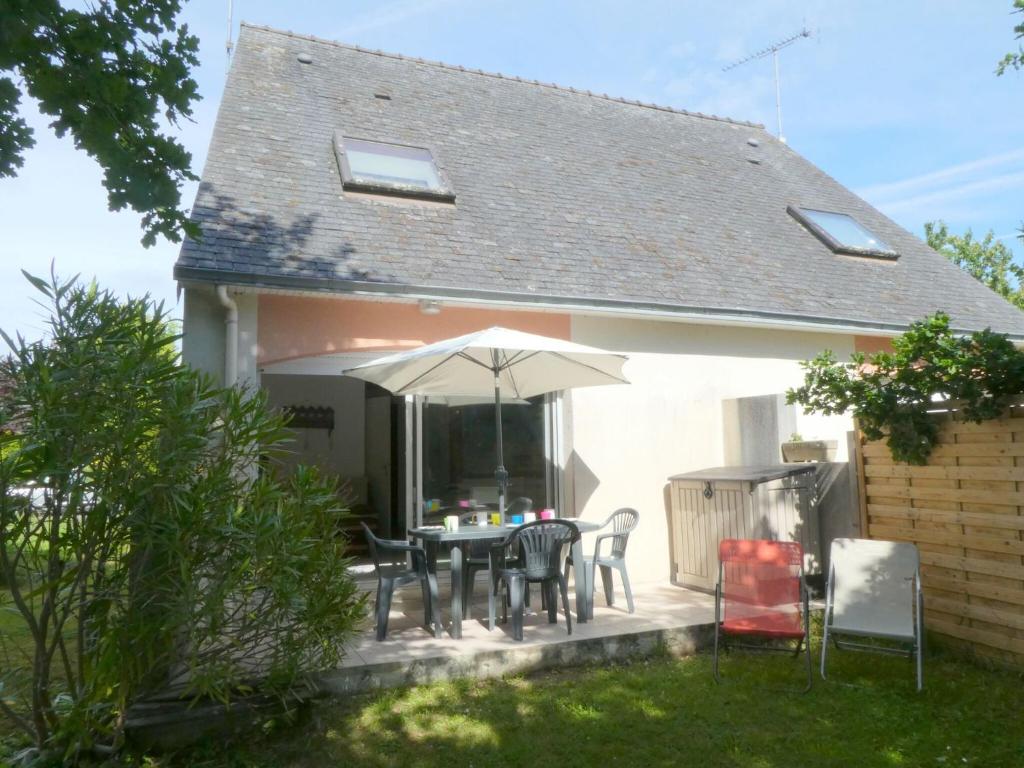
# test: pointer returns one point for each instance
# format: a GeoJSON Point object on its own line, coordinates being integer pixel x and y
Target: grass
{"type": "Point", "coordinates": [15, 639]}
{"type": "Point", "coordinates": [667, 712]}
{"type": "Point", "coordinates": [17, 648]}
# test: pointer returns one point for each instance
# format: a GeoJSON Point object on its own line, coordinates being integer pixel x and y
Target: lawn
{"type": "Point", "coordinates": [668, 712]}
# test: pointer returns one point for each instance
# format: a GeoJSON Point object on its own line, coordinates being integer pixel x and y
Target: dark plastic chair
{"type": "Point", "coordinates": [538, 547]}
{"type": "Point", "coordinates": [622, 522]}
{"type": "Point", "coordinates": [392, 573]}
{"type": "Point", "coordinates": [479, 555]}
{"type": "Point", "coordinates": [761, 593]}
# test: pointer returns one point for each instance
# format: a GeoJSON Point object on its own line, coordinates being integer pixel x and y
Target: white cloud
{"type": "Point", "coordinates": [958, 192]}
{"type": "Point", "coordinates": [963, 194]}
{"type": "Point", "coordinates": [949, 175]}
{"type": "Point", "coordinates": [650, 75]}
{"type": "Point", "coordinates": [681, 50]}
{"type": "Point", "coordinates": [390, 14]}
{"type": "Point", "coordinates": [732, 49]}
{"type": "Point", "coordinates": [719, 93]}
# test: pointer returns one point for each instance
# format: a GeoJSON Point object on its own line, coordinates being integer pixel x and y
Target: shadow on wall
{"type": "Point", "coordinates": [584, 481]}
{"type": "Point", "coordinates": [754, 427]}
{"type": "Point", "coordinates": [241, 238]}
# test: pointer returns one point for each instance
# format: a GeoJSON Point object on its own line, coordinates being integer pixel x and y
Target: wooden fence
{"type": "Point", "coordinates": [965, 512]}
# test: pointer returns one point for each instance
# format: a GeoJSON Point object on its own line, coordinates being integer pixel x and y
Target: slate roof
{"type": "Point", "coordinates": [562, 196]}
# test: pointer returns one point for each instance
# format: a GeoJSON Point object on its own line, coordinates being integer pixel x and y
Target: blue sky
{"type": "Point", "coordinates": [897, 100]}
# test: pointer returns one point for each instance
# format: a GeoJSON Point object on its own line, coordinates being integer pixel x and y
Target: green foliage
{"type": "Point", "coordinates": [108, 76]}
{"type": "Point", "coordinates": [149, 548]}
{"type": "Point", "coordinates": [891, 393]}
{"type": "Point", "coordinates": [1014, 60]}
{"type": "Point", "coordinates": [987, 260]}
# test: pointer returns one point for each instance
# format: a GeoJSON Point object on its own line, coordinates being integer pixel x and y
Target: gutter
{"type": "Point", "coordinates": [230, 336]}
{"type": "Point", "coordinates": [547, 303]}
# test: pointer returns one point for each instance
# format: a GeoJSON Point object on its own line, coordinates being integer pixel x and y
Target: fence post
{"type": "Point", "coordinates": [855, 447]}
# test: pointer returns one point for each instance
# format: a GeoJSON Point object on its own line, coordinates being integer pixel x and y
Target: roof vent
{"type": "Point", "coordinates": [382, 96]}
{"type": "Point", "coordinates": [305, 58]}
{"type": "Point", "coordinates": [753, 142]}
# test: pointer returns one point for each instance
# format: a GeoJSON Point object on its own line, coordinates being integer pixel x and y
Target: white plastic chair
{"type": "Point", "coordinates": [874, 590]}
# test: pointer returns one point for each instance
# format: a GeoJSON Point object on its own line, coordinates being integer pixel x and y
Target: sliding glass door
{"type": "Point", "coordinates": [453, 452]}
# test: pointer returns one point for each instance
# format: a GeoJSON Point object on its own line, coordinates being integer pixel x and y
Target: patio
{"type": "Point", "coordinates": [669, 618]}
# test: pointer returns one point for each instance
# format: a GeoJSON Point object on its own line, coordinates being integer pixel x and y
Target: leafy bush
{"type": "Point", "coordinates": [891, 393]}
{"type": "Point", "coordinates": [149, 545]}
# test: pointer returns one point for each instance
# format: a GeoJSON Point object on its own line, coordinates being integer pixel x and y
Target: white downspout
{"type": "Point", "coordinates": [230, 336]}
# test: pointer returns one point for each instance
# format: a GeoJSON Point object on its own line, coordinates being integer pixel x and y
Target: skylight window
{"type": "Point", "coordinates": [390, 169]}
{"type": "Point", "coordinates": [842, 233]}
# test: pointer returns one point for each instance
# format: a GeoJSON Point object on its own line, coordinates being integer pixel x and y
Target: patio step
{"type": "Point", "coordinates": [455, 663]}
{"type": "Point", "coordinates": [353, 531]}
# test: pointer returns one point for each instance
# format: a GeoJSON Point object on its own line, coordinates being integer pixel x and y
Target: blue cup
{"type": "Point", "coordinates": [517, 519]}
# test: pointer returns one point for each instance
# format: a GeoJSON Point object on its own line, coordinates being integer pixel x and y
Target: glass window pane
{"type": "Point", "coordinates": [377, 163]}
{"type": "Point", "coordinates": [846, 231]}
{"type": "Point", "coordinates": [459, 451]}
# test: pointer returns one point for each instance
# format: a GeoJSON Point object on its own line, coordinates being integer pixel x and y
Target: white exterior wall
{"type": "Point", "coordinates": [248, 339]}
{"type": "Point", "coordinates": [202, 342]}
{"type": "Point", "coordinates": [625, 441]}
{"type": "Point", "coordinates": [203, 334]}
{"type": "Point", "coordinates": [341, 451]}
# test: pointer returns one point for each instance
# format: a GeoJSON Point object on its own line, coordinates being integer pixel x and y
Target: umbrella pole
{"type": "Point", "coordinates": [500, 474]}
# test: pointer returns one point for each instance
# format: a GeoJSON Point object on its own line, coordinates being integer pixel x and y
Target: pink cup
{"type": "Point", "coordinates": [547, 514]}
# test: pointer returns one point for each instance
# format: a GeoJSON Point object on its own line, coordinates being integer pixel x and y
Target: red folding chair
{"type": "Point", "coordinates": [761, 593]}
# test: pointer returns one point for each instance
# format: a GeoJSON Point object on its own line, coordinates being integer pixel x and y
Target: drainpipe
{"type": "Point", "coordinates": [230, 337]}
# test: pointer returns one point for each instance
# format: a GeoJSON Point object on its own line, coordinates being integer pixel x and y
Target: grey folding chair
{"type": "Point", "coordinates": [621, 523]}
{"type": "Point", "coordinates": [874, 591]}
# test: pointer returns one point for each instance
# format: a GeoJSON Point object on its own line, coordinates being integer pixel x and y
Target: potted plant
{"type": "Point", "coordinates": [796, 449]}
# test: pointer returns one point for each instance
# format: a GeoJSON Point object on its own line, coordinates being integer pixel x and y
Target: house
{"type": "Point", "coordinates": [356, 202]}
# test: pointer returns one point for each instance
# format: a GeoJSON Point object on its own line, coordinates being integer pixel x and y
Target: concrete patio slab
{"type": "Point", "coordinates": [668, 619]}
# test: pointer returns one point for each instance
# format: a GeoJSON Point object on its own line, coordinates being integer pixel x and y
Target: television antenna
{"type": "Point", "coordinates": [773, 51]}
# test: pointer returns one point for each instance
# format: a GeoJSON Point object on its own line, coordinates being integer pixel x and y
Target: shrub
{"type": "Point", "coordinates": [891, 393]}
{"type": "Point", "coordinates": [150, 545]}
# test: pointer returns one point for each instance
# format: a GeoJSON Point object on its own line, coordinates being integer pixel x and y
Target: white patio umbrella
{"type": "Point", "coordinates": [495, 360]}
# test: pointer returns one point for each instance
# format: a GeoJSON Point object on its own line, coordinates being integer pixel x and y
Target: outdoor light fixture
{"type": "Point", "coordinates": [430, 307]}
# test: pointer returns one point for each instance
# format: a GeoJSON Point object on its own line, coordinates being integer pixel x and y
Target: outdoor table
{"type": "Point", "coordinates": [433, 536]}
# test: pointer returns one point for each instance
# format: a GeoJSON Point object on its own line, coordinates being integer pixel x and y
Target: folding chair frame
{"type": "Point", "coordinates": [916, 650]}
{"type": "Point", "coordinates": [804, 643]}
